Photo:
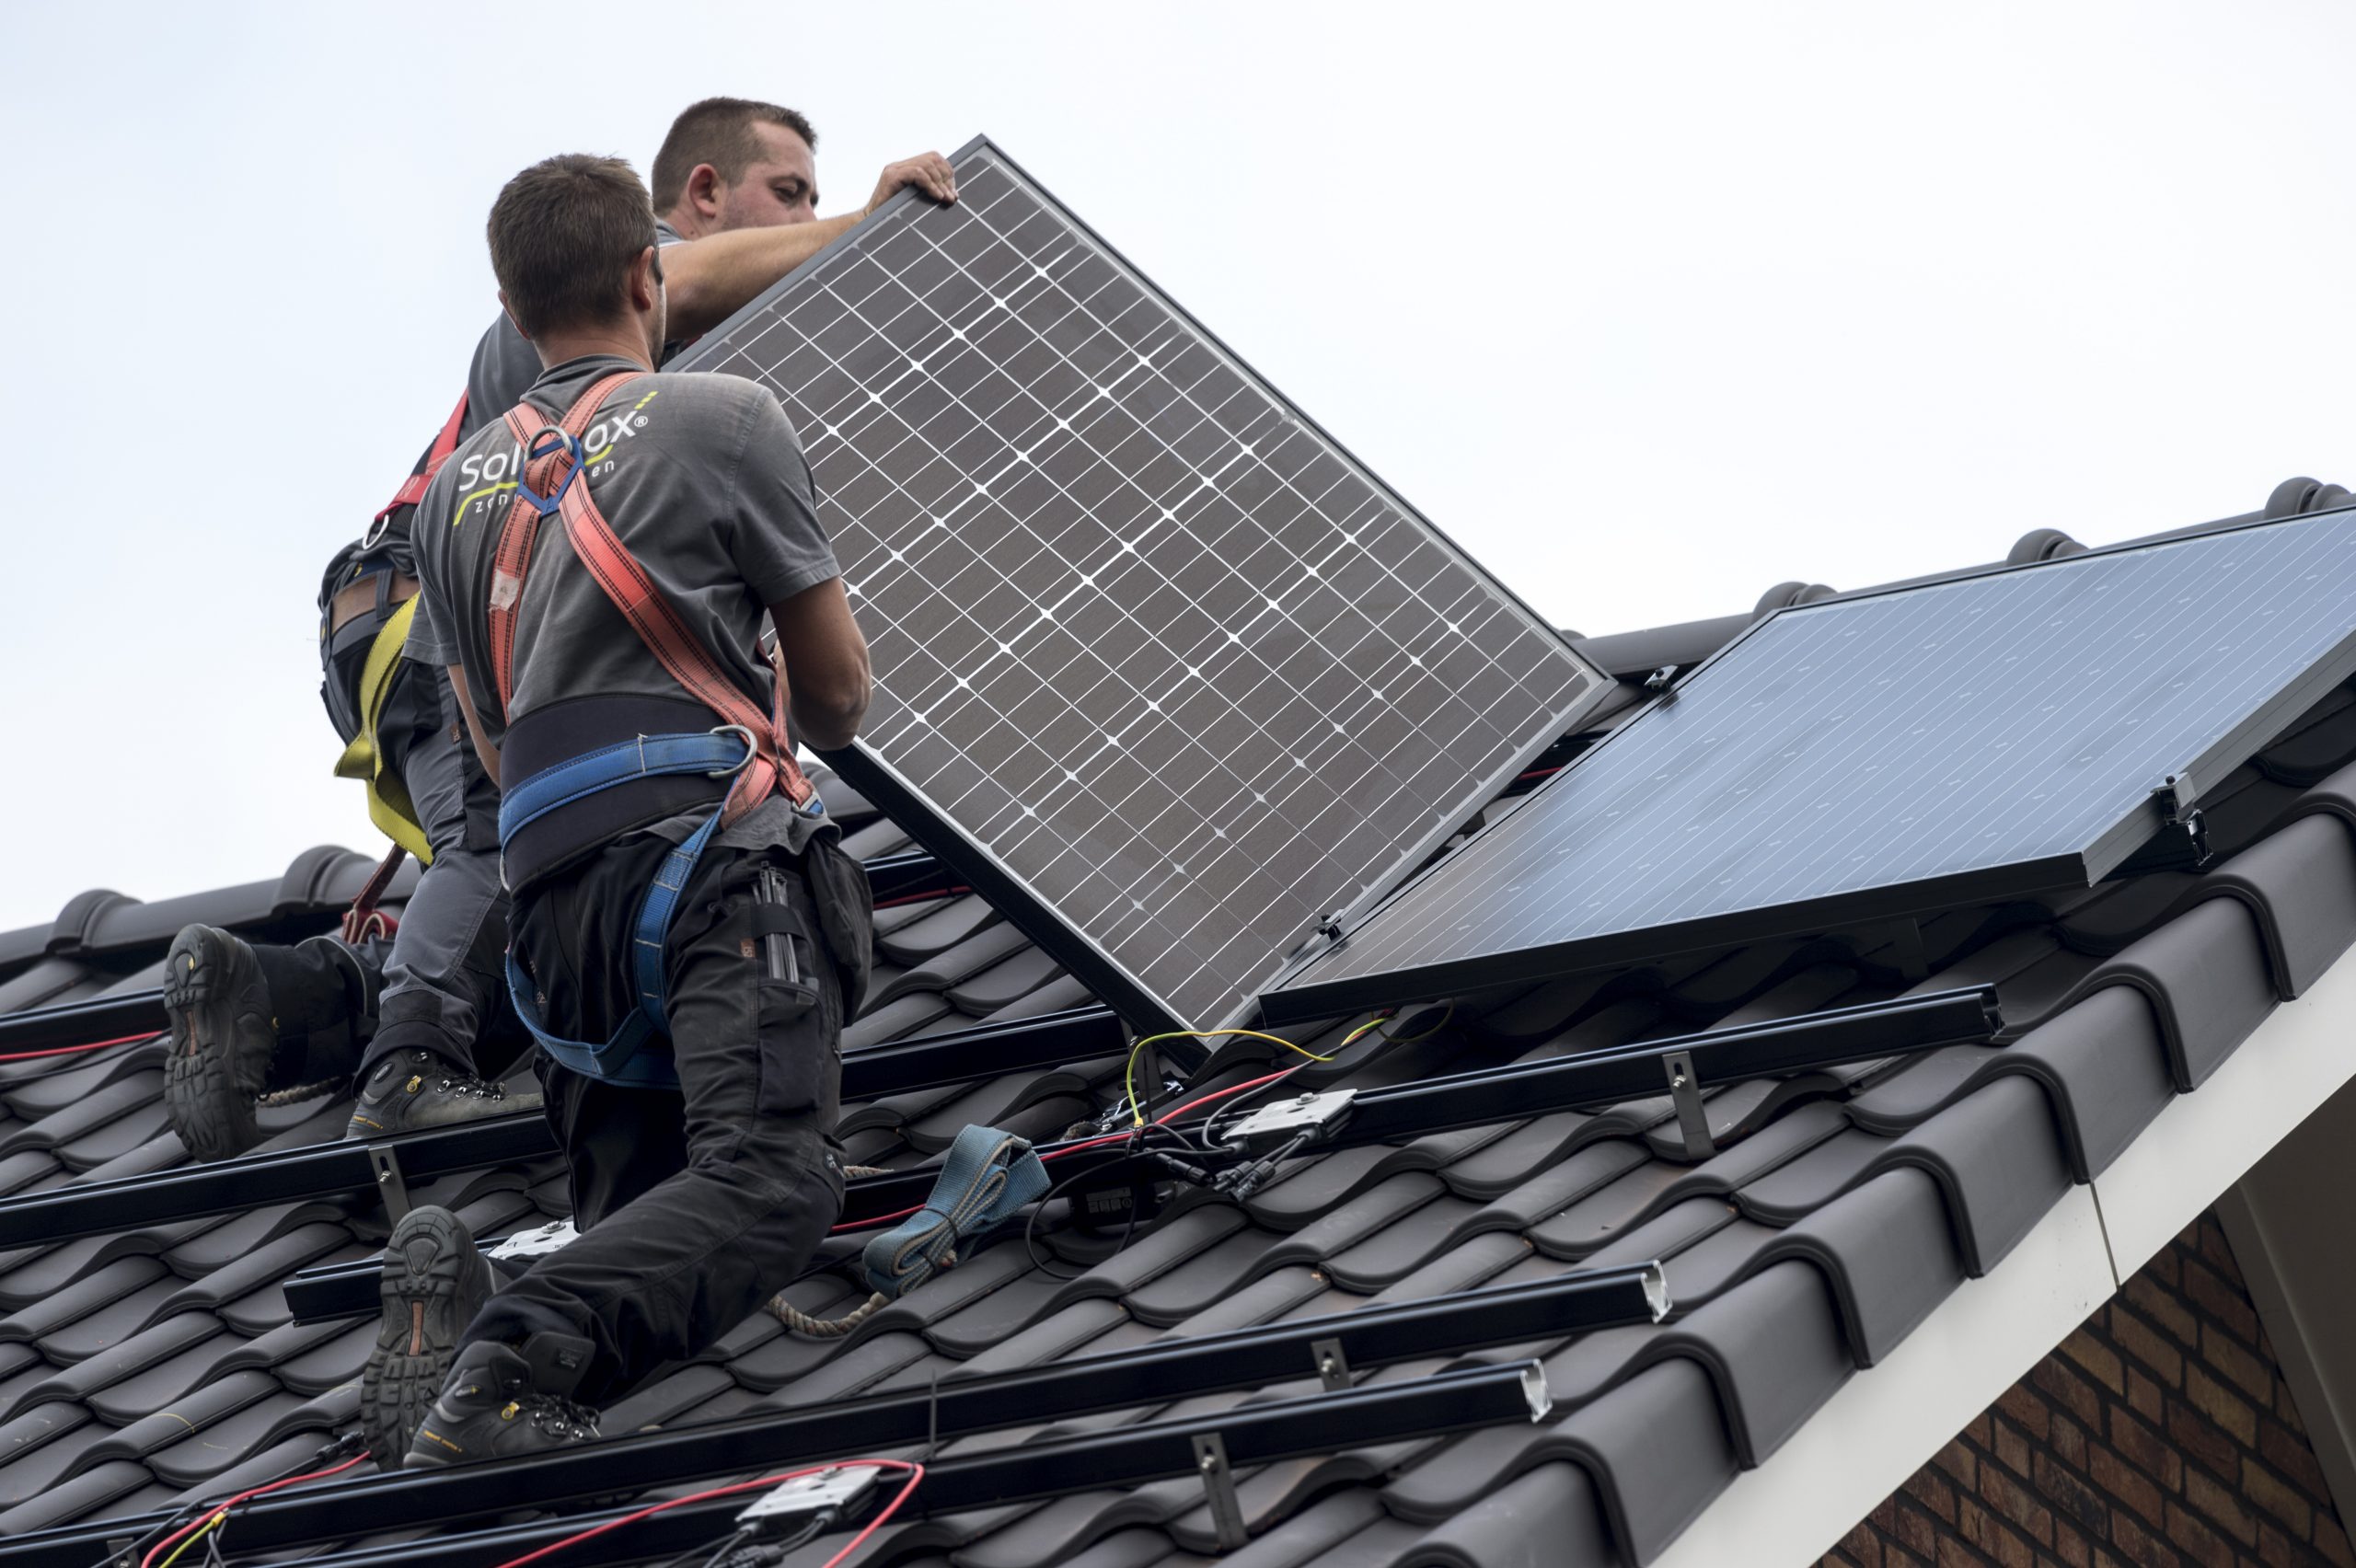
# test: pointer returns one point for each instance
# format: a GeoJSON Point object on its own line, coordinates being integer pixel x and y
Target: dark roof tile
{"type": "Point", "coordinates": [122, 1399]}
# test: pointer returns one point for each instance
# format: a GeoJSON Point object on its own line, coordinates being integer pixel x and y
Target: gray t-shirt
{"type": "Point", "coordinates": [505, 365]}
{"type": "Point", "coordinates": [701, 477]}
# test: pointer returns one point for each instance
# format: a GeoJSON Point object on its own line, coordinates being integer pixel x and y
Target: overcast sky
{"type": "Point", "coordinates": [1650, 307]}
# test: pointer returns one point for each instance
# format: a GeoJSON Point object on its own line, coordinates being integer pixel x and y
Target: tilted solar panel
{"type": "Point", "coordinates": [1158, 665]}
{"type": "Point", "coordinates": [1877, 754]}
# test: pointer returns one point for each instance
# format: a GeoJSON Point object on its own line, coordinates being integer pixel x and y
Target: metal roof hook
{"type": "Point", "coordinates": [1219, 1482]}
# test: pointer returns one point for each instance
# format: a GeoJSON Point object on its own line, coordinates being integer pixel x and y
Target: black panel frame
{"type": "Point", "coordinates": [1294, 999]}
{"type": "Point", "coordinates": [906, 805]}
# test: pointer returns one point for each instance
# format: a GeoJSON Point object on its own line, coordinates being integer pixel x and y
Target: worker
{"type": "Point", "coordinates": [687, 931]}
{"type": "Point", "coordinates": [404, 1019]}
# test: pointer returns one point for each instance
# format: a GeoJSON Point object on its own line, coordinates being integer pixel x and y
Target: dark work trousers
{"type": "Point", "coordinates": [440, 983]}
{"type": "Point", "coordinates": [695, 1205]}
{"type": "Point", "coordinates": [446, 970]}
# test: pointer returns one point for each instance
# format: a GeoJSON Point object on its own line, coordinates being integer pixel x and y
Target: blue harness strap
{"type": "Point", "coordinates": [619, 1060]}
{"type": "Point", "coordinates": [988, 1176]}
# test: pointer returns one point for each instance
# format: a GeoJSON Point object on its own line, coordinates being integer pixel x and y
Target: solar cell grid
{"type": "Point", "coordinates": [1145, 641]}
{"type": "Point", "coordinates": [1985, 737]}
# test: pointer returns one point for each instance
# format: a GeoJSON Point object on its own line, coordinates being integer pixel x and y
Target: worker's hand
{"type": "Point", "coordinates": [928, 172]}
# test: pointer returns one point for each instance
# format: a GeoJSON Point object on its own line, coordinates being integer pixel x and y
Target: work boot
{"type": "Point", "coordinates": [415, 1088]}
{"type": "Point", "coordinates": [436, 1280]}
{"type": "Point", "coordinates": [504, 1399]}
{"type": "Point", "coordinates": [223, 1035]}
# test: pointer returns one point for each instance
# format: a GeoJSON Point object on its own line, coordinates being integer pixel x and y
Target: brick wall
{"type": "Point", "coordinates": [2159, 1434]}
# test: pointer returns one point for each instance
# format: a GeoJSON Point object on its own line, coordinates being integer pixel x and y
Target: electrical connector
{"type": "Point", "coordinates": [826, 1492]}
{"type": "Point", "coordinates": [1302, 1119]}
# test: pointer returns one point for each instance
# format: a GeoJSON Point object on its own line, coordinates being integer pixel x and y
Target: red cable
{"type": "Point", "coordinates": [207, 1516]}
{"type": "Point", "coordinates": [915, 1474]}
{"type": "Point", "coordinates": [76, 1049]}
{"type": "Point", "coordinates": [920, 897]}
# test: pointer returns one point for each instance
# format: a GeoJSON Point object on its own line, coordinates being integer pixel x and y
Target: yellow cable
{"type": "Point", "coordinates": [1129, 1077]}
{"type": "Point", "coordinates": [1379, 1020]}
{"type": "Point", "coordinates": [210, 1526]}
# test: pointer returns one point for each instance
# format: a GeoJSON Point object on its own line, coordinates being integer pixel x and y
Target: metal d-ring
{"type": "Point", "coordinates": [567, 442]}
{"type": "Point", "coordinates": [751, 749]}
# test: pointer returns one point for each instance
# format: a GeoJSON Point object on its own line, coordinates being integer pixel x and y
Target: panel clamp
{"type": "Point", "coordinates": [1693, 1117]}
{"type": "Point", "coordinates": [1662, 683]}
{"type": "Point", "coordinates": [1219, 1482]}
{"type": "Point", "coordinates": [2175, 795]}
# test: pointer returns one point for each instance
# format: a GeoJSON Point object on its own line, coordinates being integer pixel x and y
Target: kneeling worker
{"type": "Point", "coordinates": [420, 1025]}
{"type": "Point", "coordinates": [684, 925]}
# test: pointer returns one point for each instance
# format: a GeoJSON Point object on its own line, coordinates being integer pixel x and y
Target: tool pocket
{"type": "Point", "coordinates": [846, 914]}
{"type": "Point", "coordinates": [798, 1022]}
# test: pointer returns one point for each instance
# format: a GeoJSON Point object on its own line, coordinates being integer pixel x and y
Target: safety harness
{"type": "Point", "coordinates": [378, 601]}
{"type": "Point", "coordinates": [750, 745]}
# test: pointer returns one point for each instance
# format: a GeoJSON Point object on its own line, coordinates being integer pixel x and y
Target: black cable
{"type": "Point", "coordinates": [146, 1543]}
{"type": "Point", "coordinates": [1211, 1123]}
{"type": "Point", "coordinates": [1031, 1222]}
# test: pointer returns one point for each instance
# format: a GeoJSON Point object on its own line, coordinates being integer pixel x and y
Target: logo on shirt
{"type": "Point", "coordinates": [485, 475]}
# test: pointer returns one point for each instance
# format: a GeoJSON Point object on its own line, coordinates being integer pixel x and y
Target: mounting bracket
{"type": "Point", "coordinates": [1219, 1482]}
{"type": "Point", "coordinates": [1692, 1116]}
{"type": "Point", "coordinates": [386, 1164]}
{"type": "Point", "coordinates": [1333, 1364]}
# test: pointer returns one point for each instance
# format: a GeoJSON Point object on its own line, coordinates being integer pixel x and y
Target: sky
{"type": "Point", "coordinates": [1650, 307]}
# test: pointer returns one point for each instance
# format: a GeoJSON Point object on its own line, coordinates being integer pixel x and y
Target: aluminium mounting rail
{"type": "Point", "coordinates": [1038, 1470]}
{"type": "Point", "coordinates": [1967, 1016]}
{"type": "Point", "coordinates": [328, 1169]}
{"type": "Point", "coordinates": [893, 878]}
{"type": "Point", "coordinates": [1329, 1348]}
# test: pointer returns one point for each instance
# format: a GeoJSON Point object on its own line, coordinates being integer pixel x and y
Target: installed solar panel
{"type": "Point", "coordinates": [1159, 666]}
{"type": "Point", "coordinates": [1880, 754]}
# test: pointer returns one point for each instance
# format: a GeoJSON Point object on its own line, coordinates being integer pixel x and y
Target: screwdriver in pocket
{"type": "Point", "coordinates": [778, 946]}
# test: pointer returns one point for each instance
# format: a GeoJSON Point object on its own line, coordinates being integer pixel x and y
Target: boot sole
{"type": "Point", "coordinates": [221, 1046]}
{"type": "Point", "coordinates": [435, 1282]}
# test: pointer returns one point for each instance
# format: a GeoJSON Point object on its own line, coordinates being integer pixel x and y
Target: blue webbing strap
{"type": "Point", "coordinates": [988, 1176]}
{"type": "Point", "coordinates": [714, 752]}
{"type": "Point", "coordinates": [619, 1060]}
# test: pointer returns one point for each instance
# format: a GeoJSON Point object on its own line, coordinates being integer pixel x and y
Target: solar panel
{"type": "Point", "coordinates": [1881, 754]}
{"type": "Point", "coordinates": [1160, 667]}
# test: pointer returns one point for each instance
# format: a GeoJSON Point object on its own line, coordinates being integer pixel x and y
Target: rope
{"type": "Point", "coordinates": [832, 1327]}
{"type": "Point", "coordinates": [827, 1328]}
{"type": "Point", "coordinates": [298, 1094]}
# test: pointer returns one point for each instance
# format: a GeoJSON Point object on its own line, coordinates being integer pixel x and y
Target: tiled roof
{"type": "Point", "coordinates": [159, 1365]}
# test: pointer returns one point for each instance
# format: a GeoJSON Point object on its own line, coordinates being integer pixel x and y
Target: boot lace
{"type": "Point", "coordinates": [560, 1418]}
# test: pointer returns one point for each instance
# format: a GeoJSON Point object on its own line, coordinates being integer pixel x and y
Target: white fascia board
{"type": "Point", "coordinates": [1884, 1423]}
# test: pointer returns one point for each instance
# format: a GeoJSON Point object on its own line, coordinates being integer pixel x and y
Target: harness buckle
{"type": "Point", "coordinates": [567, 442]}
{"type": "Point", "coordinates": [751, 750]}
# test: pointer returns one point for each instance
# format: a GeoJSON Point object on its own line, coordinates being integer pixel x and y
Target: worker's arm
{"type": "Point", "coordinates": [822, 658]}
{"type": "Point", "coordinates": [707, 281]}
{"type": "Point", "coordinates": [483, 748]}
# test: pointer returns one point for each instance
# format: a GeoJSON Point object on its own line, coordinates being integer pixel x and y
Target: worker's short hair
{"type": "Point", "coordinates": [717, 131]}
{"type": "Point", "coordinates": [563, 235]}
